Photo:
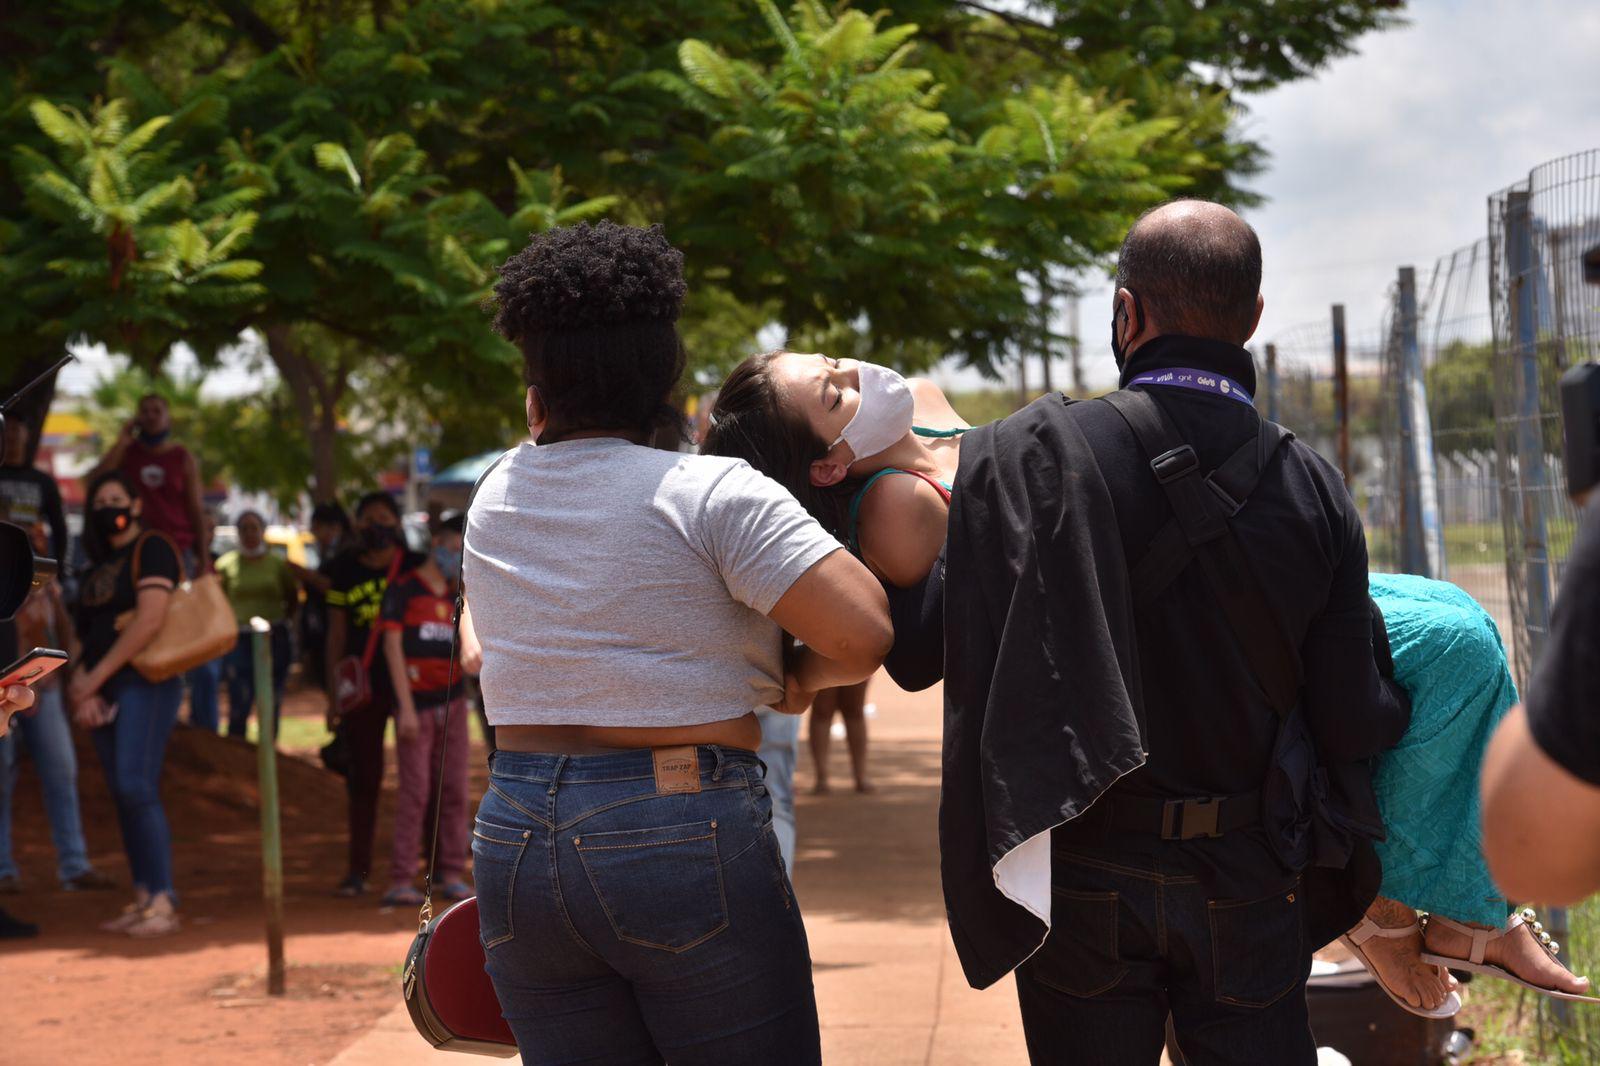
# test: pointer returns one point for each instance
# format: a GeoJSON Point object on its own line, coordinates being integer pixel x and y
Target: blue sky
{"type": "Point", "coordinates": [1386, 158]}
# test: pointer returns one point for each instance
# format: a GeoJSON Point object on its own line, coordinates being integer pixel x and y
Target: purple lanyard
{"type": "Point", "coordinates": [1182, 377]}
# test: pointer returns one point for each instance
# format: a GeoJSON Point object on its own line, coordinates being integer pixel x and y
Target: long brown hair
{"type": "Point", "coordinates": [749, 421]}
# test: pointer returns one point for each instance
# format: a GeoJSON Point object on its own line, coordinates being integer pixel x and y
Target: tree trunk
{"type": "Point", "coordinates": [316, 395]}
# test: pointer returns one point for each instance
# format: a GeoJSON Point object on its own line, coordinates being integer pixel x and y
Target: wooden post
{"type": "Point", "coordinates": [271, 829]}
{"type": "Point", "coordinates": [1272, 382]}
{"type": "Point", "coordinates": [1341, 391]}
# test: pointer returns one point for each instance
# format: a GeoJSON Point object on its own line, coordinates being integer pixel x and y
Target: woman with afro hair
{"type": "Point", "coordinates": [627, 607]}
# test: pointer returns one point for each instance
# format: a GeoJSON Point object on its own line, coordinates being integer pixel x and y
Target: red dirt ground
{"type": "Point", "coordinates": [78, 994]}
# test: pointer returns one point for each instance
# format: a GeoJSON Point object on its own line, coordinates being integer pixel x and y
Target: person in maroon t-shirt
{"type": "Point", "coordinates": [168, 478]}
{"type": "Point", "coordinates": [417, 632]}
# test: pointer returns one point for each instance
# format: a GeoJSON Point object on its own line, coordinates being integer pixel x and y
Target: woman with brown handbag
{"type": "Point", "coordinates": [131, 717]}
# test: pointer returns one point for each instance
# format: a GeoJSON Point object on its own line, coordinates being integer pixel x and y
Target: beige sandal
{"type": "Point", "coordinates": [1480, 940]}
{"type": "Point", "coordinates": [131, 915]}
{"type": "Point", "coordinates": [1355, 938]}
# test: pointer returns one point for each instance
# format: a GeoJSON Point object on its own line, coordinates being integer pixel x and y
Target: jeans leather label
{"type": "Point", "coordinates": [677, 769]}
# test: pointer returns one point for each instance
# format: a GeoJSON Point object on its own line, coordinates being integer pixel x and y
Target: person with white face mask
{"type": "Point", "coordinates": [833, 432]}
{"type": "Point", "coordinates": [259, 583]}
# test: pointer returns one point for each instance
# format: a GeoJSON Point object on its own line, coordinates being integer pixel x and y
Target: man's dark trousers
{"type": "Point", "coordinates": [1134, 938]}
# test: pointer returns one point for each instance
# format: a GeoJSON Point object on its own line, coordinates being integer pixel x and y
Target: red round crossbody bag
{"type": "Point", "coordinates": [450, 997]}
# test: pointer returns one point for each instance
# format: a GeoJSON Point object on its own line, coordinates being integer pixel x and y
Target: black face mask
{"type": "Point", "coordinates": [109, 521]}
{"type": "Point", "coordinates": [1118, 316]}
{"type": "Point", "coordinates": [376, 538]}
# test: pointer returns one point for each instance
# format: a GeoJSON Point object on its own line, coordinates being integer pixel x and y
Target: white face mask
{"type": "Point", "coordinates": [884, 415]}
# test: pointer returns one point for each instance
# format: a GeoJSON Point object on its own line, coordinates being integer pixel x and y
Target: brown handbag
{"type": "Point", "coordinates": [199, 626]}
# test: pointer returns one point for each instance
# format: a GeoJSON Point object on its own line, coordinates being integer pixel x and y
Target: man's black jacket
{"type": "Point", "coordinates": [1057, 690]}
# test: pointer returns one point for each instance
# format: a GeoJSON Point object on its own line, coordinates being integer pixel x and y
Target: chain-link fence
{"type": "Point", "coordinates": [1452, 406]}
{"type": "Point", "coordinates": [1456, 459]}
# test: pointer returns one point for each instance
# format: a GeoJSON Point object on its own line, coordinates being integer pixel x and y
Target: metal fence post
{"type": "Point", "coordinates": [1272, 383]}
{"type": "Point", "coordinates": [1530, 451]}
{"type": "Point", "coordinates": [1341, 392]}
{"type": "Point", "coordinates": [1422, 537]}
{"type": "Point", "coordinates": [271, 831]}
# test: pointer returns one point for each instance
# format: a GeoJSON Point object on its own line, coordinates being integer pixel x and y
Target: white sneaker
{"type": "Point", "coordinates": [132, 913]}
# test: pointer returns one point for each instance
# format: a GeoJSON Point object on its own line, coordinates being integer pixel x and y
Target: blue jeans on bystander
{"type": "Point", "coordinates": [625, 922]}
{"type": "Point", "coordinates": [239, 670]}
{"type": "Point", "coordinates": [132, 750]}
{"type": "Point", "coordinates": [780, 748]}
{"type": "Point", "coordinates": [47, 736]}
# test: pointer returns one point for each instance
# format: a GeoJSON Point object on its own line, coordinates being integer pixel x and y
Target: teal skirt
{"type": "Point", "coordinates": [1448, 656]}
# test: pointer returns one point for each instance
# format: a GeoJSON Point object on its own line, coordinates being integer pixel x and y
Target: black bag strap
{"type": "Point", "coordinates": [449, 700]}
{"type": "Point", "coordinates": [1200, 531]}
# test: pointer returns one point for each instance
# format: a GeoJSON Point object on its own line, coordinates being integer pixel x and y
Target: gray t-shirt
{"type": "Point", "coordinates": [617, 585]}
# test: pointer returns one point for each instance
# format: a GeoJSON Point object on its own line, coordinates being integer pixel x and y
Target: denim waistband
{"type": "Point", "coordinates": [715, 760]}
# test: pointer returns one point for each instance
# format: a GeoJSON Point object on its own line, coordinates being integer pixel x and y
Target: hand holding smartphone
{"type": "Point", "coordinates": [33, 667]}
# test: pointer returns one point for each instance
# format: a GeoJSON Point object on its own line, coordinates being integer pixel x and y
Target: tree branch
{"type": "Point", "coordinates": [1010, 17]}
{"type": "Point", "coordinates": [250, 24]}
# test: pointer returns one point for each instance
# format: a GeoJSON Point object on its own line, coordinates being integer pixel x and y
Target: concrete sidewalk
{"type": "Point", "coordinates": [889, 988]}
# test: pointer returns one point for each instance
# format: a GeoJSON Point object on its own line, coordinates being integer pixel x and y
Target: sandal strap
{"type": "Point", "coordinates": [1367, 929]}
{"type": "Point", "coordinates": [1480, 936]}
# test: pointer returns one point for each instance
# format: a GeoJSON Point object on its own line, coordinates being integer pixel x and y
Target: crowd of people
{"type": "Point", "coordinates": [1189, 740]}
{"type": "Point", "coordinates": [145, 533]}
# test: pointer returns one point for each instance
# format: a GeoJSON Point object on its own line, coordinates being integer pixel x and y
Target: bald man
{"type": "Point", "coordinates": [1164, 629]}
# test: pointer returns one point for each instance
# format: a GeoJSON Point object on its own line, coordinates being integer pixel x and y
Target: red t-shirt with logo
{"type": "Point", "coordinates": [163, 480]}
{"type": "Point", "coordinates": [422, 617]}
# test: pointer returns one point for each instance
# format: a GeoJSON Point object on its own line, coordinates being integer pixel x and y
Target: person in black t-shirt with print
{"type": "Point", "coordinates": [358, 581]}
{"type": "Point", "coordinates": [1541, 777]}
{"type": "Point", "coordinates": [131, 717]}
{"type": "Point", "coordinates": [418, 649]}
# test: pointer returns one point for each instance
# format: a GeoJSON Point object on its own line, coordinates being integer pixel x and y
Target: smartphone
{"type": "Point", "coordinates": [33, 667]}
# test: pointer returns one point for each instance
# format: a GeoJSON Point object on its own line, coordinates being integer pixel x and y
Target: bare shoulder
{"type": "Point", "coordinates": [901, 528]}
{"type": "Point", "coordinates": [933, 408]}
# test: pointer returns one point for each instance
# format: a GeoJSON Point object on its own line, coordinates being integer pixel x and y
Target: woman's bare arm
{"type": "Point", "coordinates": [901, 529]}
{"type": "Point", "coordinates": [838, 610]}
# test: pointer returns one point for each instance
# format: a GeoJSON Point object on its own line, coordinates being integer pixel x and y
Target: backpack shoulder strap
{"type": "Point", "coordinates": [1200, 530]}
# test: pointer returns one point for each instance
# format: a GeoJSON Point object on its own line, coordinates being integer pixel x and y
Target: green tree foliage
{"type": "Point", "coordinates": [896, 183]}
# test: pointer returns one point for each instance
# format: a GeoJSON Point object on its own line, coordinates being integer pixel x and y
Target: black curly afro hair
{"type": "Point", "coordinates": [594, 310]}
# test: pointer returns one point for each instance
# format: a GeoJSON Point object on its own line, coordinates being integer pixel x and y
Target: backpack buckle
{"type": "Point", "coordinates": [1175, 463]}
{"type": "Point", "coordinates": [1187, 819]}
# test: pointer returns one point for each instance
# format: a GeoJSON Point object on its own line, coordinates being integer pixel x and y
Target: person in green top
{"type": "Point", "coordinates": [259, 584]}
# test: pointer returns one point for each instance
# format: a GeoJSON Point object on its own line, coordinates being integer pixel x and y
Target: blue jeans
{"type": "Point", "coordinates": [1134, 938]}
{"type": "Point", "coordinates": [626, 925]}
{"type": "Point", "coordinates": [204, 684]}
{"type": "Point", "coordinates": [780, 747]}
{"type": "Point", "coordinates": [239, 669]}
{"type": "Point", "coordinates": [132, 749]}
{"type": "Point", "coordinates": [48, 738]}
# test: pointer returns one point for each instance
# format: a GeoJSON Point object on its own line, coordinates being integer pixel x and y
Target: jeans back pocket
{"type": "Point", "coordinates": [496, 855]}
{"type": "Point", "coordinates": [1257, 948]}
{"type": "Point", "coordinates": [1080, 956]}
{"type": "Point", "coordinates": [661, 887]}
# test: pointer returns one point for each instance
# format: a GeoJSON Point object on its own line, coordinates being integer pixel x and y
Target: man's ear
{"type": "Point", "coordinates": [1261, 305]}
{"type": "Point", "coordinates": [1133, 323]}
{"type": "Point", "coordinates": [828, 472]}
{"type": "Point", "coordinates": [538, 413]}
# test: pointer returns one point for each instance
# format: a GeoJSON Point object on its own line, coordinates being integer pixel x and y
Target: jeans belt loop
{"type": "Point", "coordinates": [555, 776]}
{"type": "Point", "coordinates": [716, 770]}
